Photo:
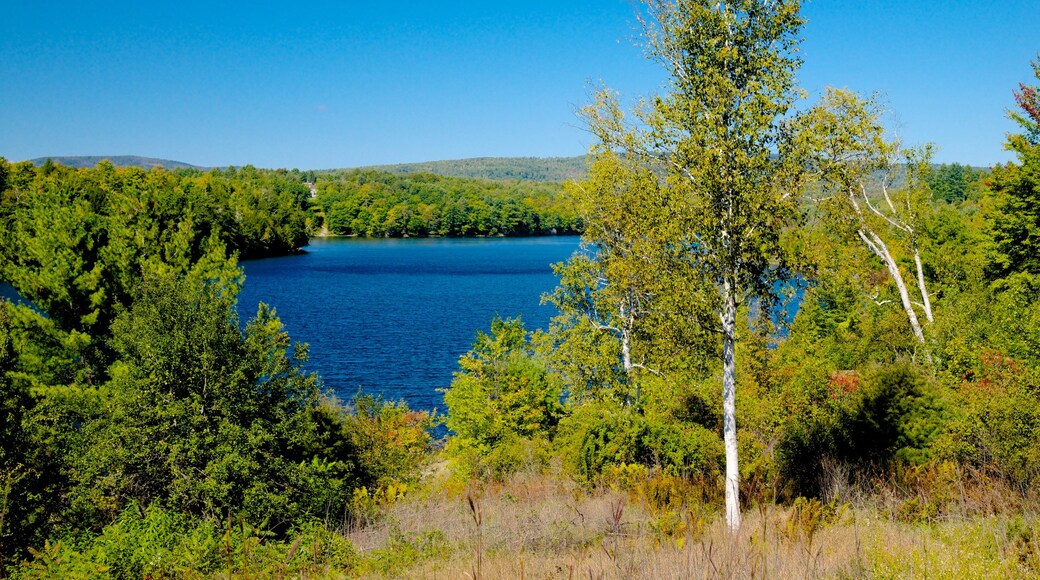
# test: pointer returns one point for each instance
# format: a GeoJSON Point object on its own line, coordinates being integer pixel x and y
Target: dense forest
{"type": "Point", "coordinates": [669, 423]}
{"type": "Point", "coordinates": [381, 204]}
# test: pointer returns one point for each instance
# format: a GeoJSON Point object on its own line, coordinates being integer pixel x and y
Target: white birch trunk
{"type": "Point", "coordinates": [627, 323]}
{"type": "Point", "coordinates": [877, 245]}
{"type": "Point", "coordinates": [626, 343]}
{"type": "Point", "coordinates": [921, 286]}
{"type": "Point", "coordinates": [729, 405]}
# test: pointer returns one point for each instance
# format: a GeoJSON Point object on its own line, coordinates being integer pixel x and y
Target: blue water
{"type": "Point", "coordinates": [392, 317]}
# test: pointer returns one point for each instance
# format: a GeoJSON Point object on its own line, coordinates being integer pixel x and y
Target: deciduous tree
{"type": "Point", "coordinates": [717, 139]}
{"type": "Point", "coordinates": [856, 167]}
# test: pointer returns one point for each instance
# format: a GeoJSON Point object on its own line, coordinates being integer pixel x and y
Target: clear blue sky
{"type": "Point", "coordinates": [341, 84]}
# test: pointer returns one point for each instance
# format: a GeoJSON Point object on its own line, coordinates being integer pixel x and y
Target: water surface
{"type": "Point", "coordinates": [392, 317]}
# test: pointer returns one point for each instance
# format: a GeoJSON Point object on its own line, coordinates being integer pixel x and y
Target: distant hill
{"type": "Point", "coordinates": [497, 168]}
{"type": "Point", "coordinates": [87, 161]}
{"type": "Point", "coordinates": [544, 169]}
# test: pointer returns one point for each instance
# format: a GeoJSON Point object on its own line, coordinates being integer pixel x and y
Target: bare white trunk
{"type": "Point", "coordinates": [921, 286]}
{"type": "Point", "coordinates": [880, 249]}
{"type": "Point", "coordinates": [627, 323]}
{"type": "Point", "coordinates": [729, 406]}
{"type": "Point", "coordinates": [626, 343]}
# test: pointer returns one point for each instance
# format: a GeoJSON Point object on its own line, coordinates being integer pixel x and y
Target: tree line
{"type": "Point", "coordinates": [547, 169]}
{"type": "Point", "coordinates": [381, 204]}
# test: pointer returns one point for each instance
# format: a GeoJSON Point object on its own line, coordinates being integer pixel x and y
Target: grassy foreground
{"type": "Point", "coordinates": [540, 526]}
{"type": "Point", "coordinates": [923, 523]}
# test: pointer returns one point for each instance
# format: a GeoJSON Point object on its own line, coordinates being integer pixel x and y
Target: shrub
{"type": "Point", "coordinates": [391, 440]}
{"type": "Point", "coordinates": [601, 434]}
{"type": "Point", "coordinates": [200, 414]}
{"type": "Point", "coordinates": [892, 415]}
{"type": "Point", "coordinates": [154, 542]}
{"type": "Point", "coordinates": [377, 442]}
{"type": "Point", "coordinates": [997, 427]}
{"type": "Point", "coordinates": [503, 404]}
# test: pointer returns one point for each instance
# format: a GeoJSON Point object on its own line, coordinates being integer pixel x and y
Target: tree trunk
{"type": "Point", "coordinates": [627, 323]}
{"type": "Point", "coordinates": [729, 405]}
{"type": "Point", "coordinates": [877, 245]}
{"type": "Point", "coordinates": [626, 343]}
{"type": "Point", "coordinates": [921, 286]}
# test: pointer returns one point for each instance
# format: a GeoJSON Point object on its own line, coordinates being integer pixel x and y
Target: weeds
{"type": "Point", "coordinates": [539, 526]}
{"type": "Point", "coordinates": [478, 520]}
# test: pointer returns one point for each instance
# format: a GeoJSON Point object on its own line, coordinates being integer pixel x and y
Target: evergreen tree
{"type": "Point", "coordinates": [1016, 223]}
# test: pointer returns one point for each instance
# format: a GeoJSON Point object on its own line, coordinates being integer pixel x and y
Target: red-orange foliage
{"type": "Point", "coordinates": [843, 383]}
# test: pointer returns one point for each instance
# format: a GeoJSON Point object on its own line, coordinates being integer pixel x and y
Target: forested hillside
{"type": "Point", "coordinates": [382, 204]}
{"type": "Point", "coordinates": [89, 161]}
{"type": "Point", "coordinates": [548, 169]}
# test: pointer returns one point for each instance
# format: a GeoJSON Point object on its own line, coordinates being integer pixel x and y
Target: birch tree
{"type": "Point", "coordinates": [610, 286]}
{"type": "Point", "coordinates": [717, 139]}
{"type": "Point", "coordinates": [857, 168]}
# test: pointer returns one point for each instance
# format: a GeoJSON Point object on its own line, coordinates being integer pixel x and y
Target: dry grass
{"type": "Point", "coordinates": [537, 526]}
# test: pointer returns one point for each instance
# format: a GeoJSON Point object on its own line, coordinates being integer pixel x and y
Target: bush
{"type": "Point", "coordinates": [200, 414]}
{"type": "Point", "coordinates": [892, 415]}
{"type": "Point", "coordinates": [383, 440]}
{"type": "Point", "coordinates": [997, 427]}
{"type": "Point", "coordinates": [896, 416]}
{"type": "Point", "coordinates": [598, 435]}
{"type": "Point", "coordinates": [154, 542]}
{"type": "Point", "coordinates": [503, 405]}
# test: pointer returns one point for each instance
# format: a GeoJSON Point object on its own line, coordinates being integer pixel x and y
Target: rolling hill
{"type": "Point", "coordinates": [542, 169]}
{"type": "Point", "coordinates": [497, 168]}
{"type": "Point", "coordinates": [87, 161]}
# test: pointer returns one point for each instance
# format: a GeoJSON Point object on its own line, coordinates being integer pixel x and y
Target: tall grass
{"type": "Point", "coordinates": [936, 521]}
{"type": "Point", "coordinates": [541, 526]}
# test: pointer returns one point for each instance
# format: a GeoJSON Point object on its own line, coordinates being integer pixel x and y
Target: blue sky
{"type": "Point", "coordinates": [342, 84]}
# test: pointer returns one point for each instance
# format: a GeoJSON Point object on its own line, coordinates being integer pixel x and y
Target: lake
{"type": "Point", "coordinates": [392, 316]}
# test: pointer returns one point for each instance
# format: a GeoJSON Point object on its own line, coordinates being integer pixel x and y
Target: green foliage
{"type": "Point", "coordinates": [14, 398]}
{"type": "Point", "coordinates": [75, 242]}
{"type": "Point", "coordinates": [1016, 219]}
{"type": "Point", "coordinates": [154, 542]}
{"type": "Point", "coordinates": [503, 404]}
{"type": "Point", "coordinates": [37, 434]}
{"type": "Point", "coordinates": [997, 426]}
{"type": "Point", "coordinates": [618, 296]}
{"type": "Point", "coordinates": [890, 415]}
{"type": "Point", "coordinates": [954, 183]}
{"type": "Point", "coordinates": [598, 436]}
{"type": "Point", "coordinates": [199, 414]}
{"type": "Point", "coordinates": [379, 204]}
{"type": "Point", "coordinates": [388, 441]}
{"type": "Point", "coordinates": [896, 417]}
{"type": "Point", "coordinates": [15, 404]}
{"type": "Point", "coordinates": [405, 551]}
